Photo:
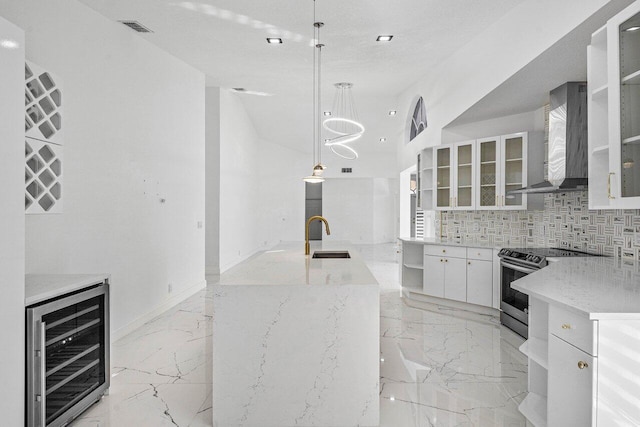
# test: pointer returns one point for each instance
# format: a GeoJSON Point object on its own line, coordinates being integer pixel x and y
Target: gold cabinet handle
{"type": "Point", "coordinates": [609, 185]}
{"type": "Point", "coordinates": [441, 260]}
{"type": "Point", "coordinates": [469, 262]}
{"type": "Point", "coordinates": [582, 365]}
{"type": "Point", "coordinates": [455, 202]}
{"type": "Point", "coordinates": [496, 200]}
{"type": "Point", "coordinates": [566, 326]}
{"type": "Point", "coordinates": [446, 260]}
{"type": "Point", "coordinates": [503, 201]}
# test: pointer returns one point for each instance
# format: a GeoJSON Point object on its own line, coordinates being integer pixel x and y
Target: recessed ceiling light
{"type": "Point", "coordinates": [384, 38]}
{"type": "Point", "coordinates": [327, 113]}
{"type": "Point", "coordinates": [392, 112]}
{"type": "Point", "coordinates": [274, 40]}
{"type": "Point", "coordinates": [634, 28]}
{"type": "Point", "coordinates": [383, 139]}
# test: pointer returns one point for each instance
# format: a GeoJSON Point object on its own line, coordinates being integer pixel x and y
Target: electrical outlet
{"type": "Point", "coordinates": [170, 288]}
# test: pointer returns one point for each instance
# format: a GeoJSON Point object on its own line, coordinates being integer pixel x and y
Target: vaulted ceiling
{"type": "Point", "coordinates": [226, 39]}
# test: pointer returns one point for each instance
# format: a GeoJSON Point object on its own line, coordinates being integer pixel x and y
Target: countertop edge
{"type": "Point", "coordinates": [44, 287]}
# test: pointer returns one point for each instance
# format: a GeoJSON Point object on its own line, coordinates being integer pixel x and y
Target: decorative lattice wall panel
{"type": "Point", "coordinates": [43, 177]}
{"type": "Point", "coordinates": [43, 104]}
{"type": "Point", "coordinates": [43, 142]}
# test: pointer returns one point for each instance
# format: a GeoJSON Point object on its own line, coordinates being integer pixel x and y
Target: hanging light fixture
{"type": "Point", "coordinates": [344, 124]}
{"type": "Point", "coordinates": [318, 168]}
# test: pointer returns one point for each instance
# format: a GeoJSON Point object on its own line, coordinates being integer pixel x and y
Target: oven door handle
{"type": "Point", "coordinates": [518, 268]}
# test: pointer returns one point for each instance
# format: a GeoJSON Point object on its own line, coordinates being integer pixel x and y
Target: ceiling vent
{"type": "Point", "coordinates": [136, 26]}
{"type": "Point", "coordinates": [346, 170]}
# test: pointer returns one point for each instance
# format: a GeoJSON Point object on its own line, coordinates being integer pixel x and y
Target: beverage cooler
{"type": "Point", "coordinates": [67, 355]}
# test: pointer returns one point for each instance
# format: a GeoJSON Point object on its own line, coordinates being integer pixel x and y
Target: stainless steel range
{"type": "Point", "coordinates": [515, 264]}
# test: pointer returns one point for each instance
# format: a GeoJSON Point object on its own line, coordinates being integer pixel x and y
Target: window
{"type": "Point", "coordinates": [419, 119]}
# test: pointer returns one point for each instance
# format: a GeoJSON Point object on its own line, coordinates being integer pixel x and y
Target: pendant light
{"type": "Point", "coordinates": [344, 124]}
{"type": "Point", "coordinates": [318, 168]}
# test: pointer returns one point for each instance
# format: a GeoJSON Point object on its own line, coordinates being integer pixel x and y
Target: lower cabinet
{"type": "Point", "coordinates": [455, 279]}
{"type": "Point", "coordinates": [459, 274]}
{"type": "Point", "coordinates": [479, 278]}
{"type": "Point", "coordinates": [570, 385]}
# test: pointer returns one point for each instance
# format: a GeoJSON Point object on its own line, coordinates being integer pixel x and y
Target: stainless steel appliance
{"type": "Point", "coordinates": [568, 167]}
{"type": "Point", "coordinates": [515, 264]}
{"type": "Point", "coordinates": [67, 355]}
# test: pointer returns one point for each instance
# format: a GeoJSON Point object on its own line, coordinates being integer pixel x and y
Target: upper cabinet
{"type": "Point", "coordinates": [502, 166]}
{"type": "Point", "coordinates": [454, 176]}
{"type": "Point", "coordinates": [614, 112]}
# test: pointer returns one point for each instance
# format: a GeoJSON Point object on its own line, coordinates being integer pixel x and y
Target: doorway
{"type": "Point", "coordinates": [312, 207]}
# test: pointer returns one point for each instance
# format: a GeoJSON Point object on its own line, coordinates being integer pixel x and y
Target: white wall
{"type": "Point", "coordinates": [134, 134]}
{"type": "Point", "coordinates": [212, 185]}
{"type": "Point", "coordinates": [12, 355]}
{"type": "Point", "coordinates": [360, 210]}
{"type": "Point", "coordinates": [240, 220]}
{"type": "Point", "coordinates": [281, 207]}
{"type": "Point", "coordinates": [484, 63]}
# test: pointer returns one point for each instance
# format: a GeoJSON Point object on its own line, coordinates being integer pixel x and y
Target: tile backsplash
{"type": "Point", "coordinates": [565, 222]}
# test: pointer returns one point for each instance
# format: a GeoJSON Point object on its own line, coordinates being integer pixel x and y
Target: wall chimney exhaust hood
{"type": "Point", "coordinates": [568, 169]}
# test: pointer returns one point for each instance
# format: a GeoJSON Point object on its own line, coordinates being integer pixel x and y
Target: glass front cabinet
{"type": "Point", "coordinates": [614, 112]}
{"type": "Point", "coordinates": [454, 176]}
{"type": "Point", "coordinates": [502, 167]}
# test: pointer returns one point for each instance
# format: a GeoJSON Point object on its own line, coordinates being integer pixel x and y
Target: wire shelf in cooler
{"type": "Point", "coordinates": [69, 373]}
{"type": "Point", "coordinates": [69, 331]}
{"type": "Point", "coordinates": [67, 356]}
{"type": "Point", "coordinates": [72, 316]}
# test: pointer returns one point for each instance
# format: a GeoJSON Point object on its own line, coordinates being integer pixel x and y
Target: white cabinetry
{"type": "Point", "coordinates": [478, 174]}
{"type": "Point", "coordinates": [582, 372]}
{"type": "Point", "coordinates": [502, 167]}
{"type": "Point", "coordinates": [571, 385]}
{"type": "Point", "coordinates": [614, 112]}
{"type": "Point", "coordinates": [480, 282]}
{"type": "Point", "coordinates": [454, 273]}
{"type": "Point", "coordinates": [411, 266]}
{"type": "Point", "coordinates": [454, 175]}
{"type": "Point", "coordinates": [424, 176]}
{"type": "Point", "coordinates": [444, 273]}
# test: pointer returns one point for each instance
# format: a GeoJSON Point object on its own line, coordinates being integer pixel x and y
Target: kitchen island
{"type": "Point", "coordinates": [296, 341]}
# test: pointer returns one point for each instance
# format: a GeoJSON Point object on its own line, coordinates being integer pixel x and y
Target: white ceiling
{"type": "Point", "coordinates": [226, 40]}
{"type": "Point", "coordinates": [529, 88]}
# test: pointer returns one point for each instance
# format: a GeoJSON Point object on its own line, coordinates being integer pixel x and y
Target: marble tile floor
{"type": "Point", "coordinates": [437, 368]}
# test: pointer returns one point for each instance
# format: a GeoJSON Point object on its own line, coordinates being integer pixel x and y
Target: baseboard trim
{"type": "Point", "coordinates": [164, 306]}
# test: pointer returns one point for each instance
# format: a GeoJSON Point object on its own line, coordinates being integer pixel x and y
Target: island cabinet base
{"type": "Point", "coordinates": [296, 355]}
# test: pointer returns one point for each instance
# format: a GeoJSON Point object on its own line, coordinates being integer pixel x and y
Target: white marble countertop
{"type": "Point", "coordinates": [41, 287]}
{"type": "Point", "coordinates": [286, 264]}
{"type": "Point", "coordinates": [445, 242]}
{"type": "Point", "coordinates": [600, 287]}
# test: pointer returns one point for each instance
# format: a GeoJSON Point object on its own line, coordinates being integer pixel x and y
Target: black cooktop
{"type": "Point", "coordinates": [537, 256]}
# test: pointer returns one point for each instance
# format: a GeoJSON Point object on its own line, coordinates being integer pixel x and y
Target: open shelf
{"type": "Point", "coordinates": [537, 350]}
{"type": "Point", "coordinates": [534, 408]}
{"type": "Point", "coordinates": [490, 162]}
{"type": "Point", "coordinates": [413, 265]}
{"type": "Point", "coordinates": [600, 93]}
{"type": "Point", "coordinates": [464, 164]}
{"type": "Point", "coordinates": [632, 79]}
{"type": "Point", "coordinates": [600, 150]}
{"type": "Point", "coordinates": [519, 159]}
{"type": "Point", "coordinates": [632, 140]}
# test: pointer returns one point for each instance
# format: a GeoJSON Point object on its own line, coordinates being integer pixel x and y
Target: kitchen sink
{"type": "Point", "coordinates": [331, 254]}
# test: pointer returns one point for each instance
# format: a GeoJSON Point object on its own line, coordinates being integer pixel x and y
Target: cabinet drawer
{"type": "Point", "coordinates": [445, 251]}
{"type": "Point", "coordinates": [481, 254]}
{"type": "Point", "coordinates": [574, 328]}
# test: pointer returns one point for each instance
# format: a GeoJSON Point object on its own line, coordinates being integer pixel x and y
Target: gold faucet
{"type": "Point", "coordinates": [306, 231]}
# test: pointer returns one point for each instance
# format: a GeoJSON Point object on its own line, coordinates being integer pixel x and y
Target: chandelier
{"type": "Point", "coordinates": [344, 127]}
